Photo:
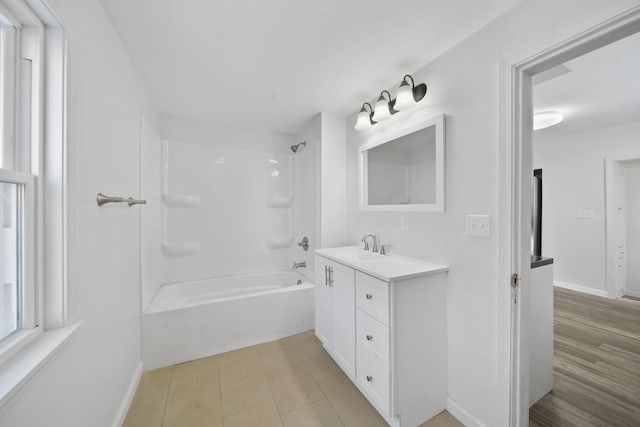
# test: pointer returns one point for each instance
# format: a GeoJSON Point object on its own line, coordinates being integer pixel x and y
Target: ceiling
{"type": "Point", "coordinates": [274, 64]}
{"type": "Point", "coordinates": [601, 89]}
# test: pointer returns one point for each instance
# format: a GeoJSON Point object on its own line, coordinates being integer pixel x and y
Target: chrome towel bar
{"type": "Point", "coordinates": [101, 199]}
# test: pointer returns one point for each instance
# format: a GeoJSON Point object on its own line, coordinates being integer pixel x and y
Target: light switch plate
{"type": "Point", "coordinates": [479, 225]}
{"type": "Point", "coordinates": [404, 222]}
{"type": "Point", "coordinates": [585, 214]}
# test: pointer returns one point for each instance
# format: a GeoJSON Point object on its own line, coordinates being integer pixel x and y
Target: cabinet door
{"type": "Point", "coordinates": [323, 303]}
{"type": "Point", "coordinates": [344, 317]}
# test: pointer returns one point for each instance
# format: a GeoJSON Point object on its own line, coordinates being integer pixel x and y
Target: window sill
{"type": "Point", "coordinates": [22, 366]}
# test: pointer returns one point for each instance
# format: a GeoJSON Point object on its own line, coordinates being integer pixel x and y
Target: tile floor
{"type": "Point", "coordinates": [289, 382]}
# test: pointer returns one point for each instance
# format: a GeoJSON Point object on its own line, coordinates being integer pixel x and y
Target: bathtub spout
{"type": "Point", "coordinates": [297, 265]}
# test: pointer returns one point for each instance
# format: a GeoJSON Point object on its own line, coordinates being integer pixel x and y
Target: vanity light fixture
{"type": "Point", "coordinates": [385, 107]}
{"type": "Point", "coordinates": [546, 119]}
{"type": "Point", "coordinates": [365, 117]}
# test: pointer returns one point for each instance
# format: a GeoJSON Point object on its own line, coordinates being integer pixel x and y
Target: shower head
{"type": "Point", "coordinates": [295, 148]}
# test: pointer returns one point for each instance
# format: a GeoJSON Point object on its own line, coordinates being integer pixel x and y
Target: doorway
{"type": "Point", "coordinates": [516, 192]}
{"type": "Point", "coordinates": [577, 328]}
{"type": "Point", "coordinates": [623, 230]}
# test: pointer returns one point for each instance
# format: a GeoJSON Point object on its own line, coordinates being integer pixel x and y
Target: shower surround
{"type": "Point", "coordinates": [229, 211]}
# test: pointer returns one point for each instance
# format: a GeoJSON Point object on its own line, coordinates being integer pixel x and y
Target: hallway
{"type": "Point", "coordinates": [596, 363]}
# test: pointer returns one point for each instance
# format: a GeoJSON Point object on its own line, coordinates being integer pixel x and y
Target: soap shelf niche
{"type": "Point", "coordinates": [181, 200]}
{"type": "Point", "coordinates": [277, 242]}
{"type": "Point", "coordinates": [180, 249]}
{"type": "Point", "coordinates": [279, 202]}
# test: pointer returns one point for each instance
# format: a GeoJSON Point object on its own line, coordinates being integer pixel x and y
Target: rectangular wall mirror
{"type": "Point", "coordinates": [404, 170]}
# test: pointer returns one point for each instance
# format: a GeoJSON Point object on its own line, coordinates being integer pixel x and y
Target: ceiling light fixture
{"type": "Point", "coordinates": [365, 117]}
{"type": "Point", "coordinates": [385, 107]}
{"type": "Point", "coordinates": [546, 119]}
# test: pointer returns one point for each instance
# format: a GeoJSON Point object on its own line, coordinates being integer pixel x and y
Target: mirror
{"type": "Point", "coordinates": [404, 171]}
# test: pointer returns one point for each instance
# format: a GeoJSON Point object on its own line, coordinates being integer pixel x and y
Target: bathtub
{"type": "Point", "coordinates": [190, 320]}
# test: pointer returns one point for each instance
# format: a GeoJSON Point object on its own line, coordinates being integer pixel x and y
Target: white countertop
{"type": "Point", "coordinates": [390, 268]}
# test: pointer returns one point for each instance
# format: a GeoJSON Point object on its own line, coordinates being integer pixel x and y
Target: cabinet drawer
{"type": "Point", "coordinates": [372, 296]}
{"type": "Point", "coordinates": [373, 379]}
{"type": "Point", "coordinates": [373, 336]}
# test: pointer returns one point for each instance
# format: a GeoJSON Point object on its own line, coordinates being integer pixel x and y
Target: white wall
{"type": "Point", "coordinates": [333, 176]}
{"type": "Point", "coordinates": [463, 83]}
{"type": "Point", "coordinates": [306, 202]}
{"type": "Point", "coordinates": [153, 269]}
{"type": "Point", "coordinates": [86, 381]}
{"type": "Point", "coordinates": [573, 179]}
{"type": "Point", "coordinates": [633, 228]}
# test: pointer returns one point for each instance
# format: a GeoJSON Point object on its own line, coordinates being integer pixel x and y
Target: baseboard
{"type": "Point", "coordinates": [461, 415]}
{"type": "Point", "coordinates": [583, 289]}
{"type": "Point", "coordinates": [128, 397]}
{"type": "Point", "coordinates": [632, 293]}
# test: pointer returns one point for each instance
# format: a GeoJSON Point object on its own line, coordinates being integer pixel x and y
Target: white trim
{"type": "Point", "coordinates": [22, 14]}
{"type": "Point", "coordinates": [462, 415]}
{"type": "Point", "coordinates": [7, 18]}
{"type": "Point", "coordinates": [580, 288]}
{"type": "Point", "coordinates": [16, 341]}
{"type": "Point", "coordinates": [439, 205]}
{"type": "Point", "coordinates": [609, 179]}
{"type": "Point", "coordinates": [603, 27]}
{"type": "Point", "coordinates": [128, 396]}
{"type": "Point", "coordinates": [20, 369]}
{"type": "Point", "coordinates": [57, 302]}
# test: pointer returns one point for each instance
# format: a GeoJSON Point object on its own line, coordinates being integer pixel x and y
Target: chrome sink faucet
{"type": "Point", "coordinates": [297, 265]}
{"type": "Point", "coordinates": [374, 247]}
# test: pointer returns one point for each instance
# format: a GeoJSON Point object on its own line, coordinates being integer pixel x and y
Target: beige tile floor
{"type": "Point", "coordinates": [289, 382]}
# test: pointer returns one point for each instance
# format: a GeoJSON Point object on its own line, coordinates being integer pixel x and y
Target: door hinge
{"type": "Point", "coordinates": [515, 280]}
{"type": "Point", "coordinates": [515, 285]}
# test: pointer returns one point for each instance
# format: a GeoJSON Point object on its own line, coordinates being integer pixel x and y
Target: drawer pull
{"type": "Point", "coordinates": [369, 337]}
{"type": "Point", "coordinates": [369, 378]}
{"type": "Point", "coordinates": [369, 296]}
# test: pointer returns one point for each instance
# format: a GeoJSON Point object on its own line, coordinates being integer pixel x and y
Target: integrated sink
{"type": "Point", "coordinates": [354, 253]}
{"type": "Point", "coordinates": [385, 267]}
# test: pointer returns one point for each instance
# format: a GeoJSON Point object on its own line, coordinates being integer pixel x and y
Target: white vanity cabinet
{"type": "Point", "coordinates": [335, 311]}
{"type": "Point", "coordinates": [393, 316]}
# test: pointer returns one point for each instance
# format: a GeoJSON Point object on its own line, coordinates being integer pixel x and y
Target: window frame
{"type": "Point", "coordinates": [24, 38]}
{"type": "Point", "coordinates": [28, 306]}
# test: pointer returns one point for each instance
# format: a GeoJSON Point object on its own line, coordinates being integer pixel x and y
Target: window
{"type": "Point", "coordinates": [36, 301]}
{"type": "Point", "coordinates": [17, 293]}
{"type": "Point", "coordinates": [9, 239]}
{"type": "Point", "coordinates": [20, 169]}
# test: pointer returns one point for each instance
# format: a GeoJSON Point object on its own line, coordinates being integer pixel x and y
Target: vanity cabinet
{"type": "Point", "coordinates": [335, 311]}
{"type": "Point", "coordinates": [388, 334]}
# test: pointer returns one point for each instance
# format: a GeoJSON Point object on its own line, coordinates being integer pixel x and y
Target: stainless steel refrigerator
{"type": "Point", "coordinates": [536, 217]}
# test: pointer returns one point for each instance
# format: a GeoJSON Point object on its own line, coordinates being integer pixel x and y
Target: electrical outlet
{"type": "Point", "coordinates": [479, 225]}
{"type": "Point", "coordinates": [404, 222]}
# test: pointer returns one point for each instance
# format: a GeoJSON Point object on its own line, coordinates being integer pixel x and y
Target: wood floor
{"type": "Point", "coordinates": [596, 363]}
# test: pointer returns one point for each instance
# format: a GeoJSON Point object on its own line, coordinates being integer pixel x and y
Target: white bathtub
{"type": "Point", "coordinates": [190, 320]}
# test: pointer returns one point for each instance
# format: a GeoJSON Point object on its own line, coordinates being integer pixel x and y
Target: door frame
{"type": "Point", "coordinates": [609, 191]}
{"type": "Point", "coordinates": [514, 190]}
